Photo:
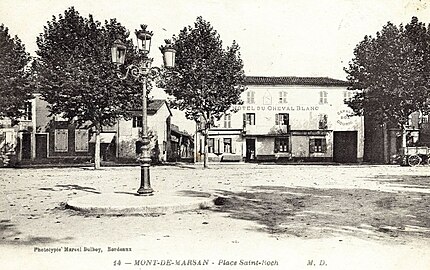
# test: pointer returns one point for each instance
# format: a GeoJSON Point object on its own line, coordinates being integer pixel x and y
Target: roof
{"type": "Point", "coordinates": [154, 105]}
{"type": "Point", "coordinates": [175, 129]}
{"type": "Point", "coordinates": [291, 80]}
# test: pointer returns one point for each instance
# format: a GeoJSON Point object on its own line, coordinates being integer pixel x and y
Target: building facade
{"type": "Point", "coordinates": [40, 137]}
{"type": "Point", "coordinates": [129, 132]}
{"type": "Point", "coordinates": [288, 119]}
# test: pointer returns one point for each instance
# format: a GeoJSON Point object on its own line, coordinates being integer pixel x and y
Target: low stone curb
{"type": "Point", "coordinates": [132, 204]}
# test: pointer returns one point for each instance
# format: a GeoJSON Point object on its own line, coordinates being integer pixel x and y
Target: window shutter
{"type": "Point", "coordinates": [277, 119]}
{"type": "Point", "coordinates": [81, 140]}
{"type": "Point", "coordinates": [276, 145]}
{"type": "Point", "coordinates": [244, 120]}
{"type": "Point", "coordinates": [324, 145]}
{"type": "Point", "coordinates": [61, 140]}
{"type": "Point", "coordinates": [311, 145]}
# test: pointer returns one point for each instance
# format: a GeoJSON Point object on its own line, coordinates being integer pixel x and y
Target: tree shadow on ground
{"type": "Point", "coordinates": [407, 181]}
{"type": "Point", "coordinates": [317, 213]}
{"type": "Point", "coordinates": [193, 193]}
{"type": "Point", "coordinates": [127, 193]}
{"type": "Point", "coordinates": [9, 235]}
{"type": "Point", "coordinates": [71, 187]}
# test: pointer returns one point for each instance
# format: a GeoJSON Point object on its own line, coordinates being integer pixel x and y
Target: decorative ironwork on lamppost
{"type": "Point", "coordinates": [141, 73]}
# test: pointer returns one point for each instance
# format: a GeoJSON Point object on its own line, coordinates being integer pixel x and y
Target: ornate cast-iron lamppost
{"type": "Point", "coordinates": [141, 73]}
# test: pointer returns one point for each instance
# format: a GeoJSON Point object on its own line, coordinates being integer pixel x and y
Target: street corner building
{"type": "Point", "coordinates": [288, 119]}
{"type": "Point", "coordinates": [41, 138]}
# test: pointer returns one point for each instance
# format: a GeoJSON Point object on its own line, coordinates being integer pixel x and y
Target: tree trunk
{"type": "Point", "coordinates": [205, 161]}
{"type": "Point", "coordinates": [403, 136]}
{"type": "Point", "coordinates": [97, 150]}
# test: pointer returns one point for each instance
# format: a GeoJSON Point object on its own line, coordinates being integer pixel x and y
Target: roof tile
{"type": "Point", "coordinates": [291, 80]}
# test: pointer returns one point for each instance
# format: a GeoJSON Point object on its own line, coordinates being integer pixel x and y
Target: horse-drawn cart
{"type": "Point", "coordinates": [415, 155]}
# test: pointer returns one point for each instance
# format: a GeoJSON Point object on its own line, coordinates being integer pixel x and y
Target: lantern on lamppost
{"type": "Point", "coordinates": [169, 53]}
{"type": "Point", "coordinates": [141, 73]}
{"type": "Point", "coordinates": [118, 51]}
{"type": "Point", "coordinates": [144, 38]}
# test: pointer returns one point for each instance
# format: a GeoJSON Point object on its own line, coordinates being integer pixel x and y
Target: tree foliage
{"type": "Point", "coordinates": [75, 73]}
{"type": "Point", "coordinates": [207, 79]}
{"type": "Point", "coordinates": [392, 69]}
{"type": "Point", "coordinates": [14, 77]}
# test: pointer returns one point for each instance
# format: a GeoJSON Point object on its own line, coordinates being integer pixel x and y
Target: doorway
{"type": "Point", "coordinates": [250, 150]}
{"type": "Point", "coordinates": [345, 146]}
{"type": "Point", "coordinates": [26, 146]}
{"type": "Point", "coordinates": [41, 145]}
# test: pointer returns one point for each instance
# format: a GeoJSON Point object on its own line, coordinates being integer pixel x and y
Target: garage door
{"type": "Point", "coordinates": [345, 146]}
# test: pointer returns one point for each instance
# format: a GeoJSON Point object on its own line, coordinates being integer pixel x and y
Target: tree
{"type": "Point", "coordinates": [76, 76]}
{"type": "Point", "coordinates": [389, 69]}
{"type": "Point", "coordinates": [14, 77]}
{"type": "Point", "coordinates": [207, 79]}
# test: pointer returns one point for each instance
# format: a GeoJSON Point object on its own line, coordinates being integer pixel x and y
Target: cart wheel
{"type": "Point", "coordinates": [428, 161]}
{"type": "Point", "coordinates": [414, 160]}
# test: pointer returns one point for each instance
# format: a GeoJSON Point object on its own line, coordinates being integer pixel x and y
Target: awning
{"type": "Point", "coordinates": [104, 137]}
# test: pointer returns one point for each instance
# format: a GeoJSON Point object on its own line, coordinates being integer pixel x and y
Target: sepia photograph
{"type": "Point", "coordinates": [214, 134]}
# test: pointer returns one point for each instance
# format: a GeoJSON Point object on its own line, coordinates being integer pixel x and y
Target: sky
{"type": "Point", "coordinates": [277, 37]}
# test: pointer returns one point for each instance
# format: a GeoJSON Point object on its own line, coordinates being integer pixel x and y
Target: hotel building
{"type": "Point", "coordinates": [288, 119]}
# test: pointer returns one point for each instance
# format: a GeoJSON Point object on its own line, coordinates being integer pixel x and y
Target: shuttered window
{"type": "Point", "coordinates": [283, 97]}
{"type": "Point", "coordinates": [282, 119]}
{"type": "Point", "coordinates": [81, 140]}
{"type": "Point", "coordinates": [322, 121]}
{"type": "Point", "coordinates": [250, 97]}
{"type": "Point", "coordinates": [227, 121]}
{"type": "Point", "coordinates": [317, 145]}
{"type": "Point", "coordinates": [28, 111]}
{"type": "Point", "coordinates": [211, 144]}
{"type": "Point", "coordinates": [61, 140]}
{"type": "Point", "coordinates": [323, 97]}
{"type": "Point", "coordinates": [248, 119]}
{"type": "Point", "coordinates": [137, 121]}
{"type": "Point", "coordinates": [227, 145]}
{"type": "Point", "coordinates": [282, 145]}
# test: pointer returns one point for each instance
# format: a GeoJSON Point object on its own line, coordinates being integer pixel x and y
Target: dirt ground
{"type": "Point", "coordinates": [281, 216]}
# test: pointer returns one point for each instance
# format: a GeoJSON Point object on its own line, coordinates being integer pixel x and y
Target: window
{"type": "Point", "coordinates": [211, 144]}
{"type": "Point", "coordinates": [227, 145]}
{"type": "Point", "coordinates": [317, 145]}
{"type": "Point", "coordinates": [282, 145]}
{"type": "Point", "coordinates": [27, 112]}
{"type": "Point", "coordinates": [137, 121]}
{"type": "Point", "coordinates": [347, 95]}
{"type": "Point", "coordinates": [227, 121]}
{"type": "Point", "coordinates": [323, 97]}
{"type": "Point", "coordinates": [81, 140]}
{"type": "Point", "coordinates": [61, 140]}
{"type": "Point", "coordinates": [322, 121]}
{"type": "Point", "coordinates": [249, 119]}
{"type": "Point", "coordinates": [282, 119]}
{"type": "Point", "coordinates": [250, 97]}
{"type": "Point", "coordinates": [283, 97]}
